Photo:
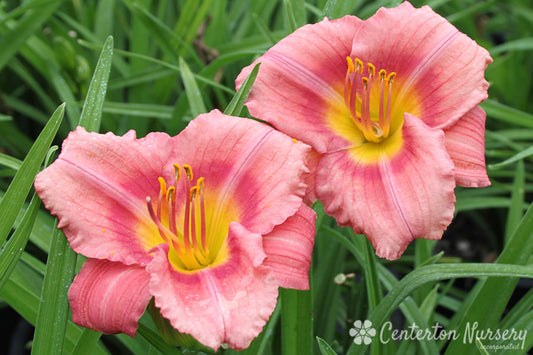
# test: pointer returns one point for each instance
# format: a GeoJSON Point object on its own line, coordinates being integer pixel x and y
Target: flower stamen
{"type": "Point", "coordinates": [189, 243]}
{"type": "Point", "coordinates": [374, 129]}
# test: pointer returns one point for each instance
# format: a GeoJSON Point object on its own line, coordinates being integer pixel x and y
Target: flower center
{"type": "Point", "coordinates": [189, 248]}
{"type": "Point", "coordinates": [360, 86]}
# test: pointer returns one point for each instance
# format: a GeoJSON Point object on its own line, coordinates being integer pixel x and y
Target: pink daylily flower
{"type": "Point", "coordinates": [210, 223]}
{"type": "Point", "coordinates": [391, 106]}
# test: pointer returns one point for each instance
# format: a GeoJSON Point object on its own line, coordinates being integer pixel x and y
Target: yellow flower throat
{"type": "Point", "coordinates": [190, 248]}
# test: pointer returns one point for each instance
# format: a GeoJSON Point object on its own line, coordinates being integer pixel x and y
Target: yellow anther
{"type": "Point", "coordinates": [382, 74]}
{"type": "Point", "coordinates": [162, 184]}
{"type": "Point", "coordinates": [359, 65]}
{"type": "Point", "coordinates": [171, 194]}
{"type": "Point", "coordinates": [351, 67]}
{"type": "Point", "coordinates": [200, 184]}
{"type": "Point", "coordinates": [371, 70]}
{"type": "Point", "coordinates": [188, 171]}
{"type": "Point", "coordinates": [193, 192]}
{"type": "Point", "coordinates": [365, 82]}
{"type": "Point", "coordinates": [391, 77]}
{"type": "Point", "coordinates": [177, 172]}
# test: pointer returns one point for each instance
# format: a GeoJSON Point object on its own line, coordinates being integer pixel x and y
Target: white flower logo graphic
{"type": "Point", "coordinates": [362, 332]}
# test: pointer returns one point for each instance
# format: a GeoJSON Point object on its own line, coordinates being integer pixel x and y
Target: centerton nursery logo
{"type": "Point", "coordinates": [363, 333]}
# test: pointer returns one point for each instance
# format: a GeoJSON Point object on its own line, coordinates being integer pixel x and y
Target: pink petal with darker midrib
{"type": "Point", "coordinates": [396, 200]}
{"type": "Point", "coordinates": [109, 297]}
{"type": "Point", "coordinates": [229, 303]}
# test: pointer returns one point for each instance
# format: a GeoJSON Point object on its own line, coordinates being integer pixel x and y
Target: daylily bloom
{"type": "Point", "coordinates": [391, 106]}
{"type": "Point", "coordinates": [209, 223]}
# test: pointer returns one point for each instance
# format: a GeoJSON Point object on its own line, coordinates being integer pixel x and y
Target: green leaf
{"type": "Point", "coordinates": [324, 347]}
{"type": "Point", "coordinates": [519, 156]}
{"type": "Point", "coordinates": [371, 276]}
{"type": "Point", "coordinates": [13, 249]}
{"type": "Point", "coordinates": [154, 339]}
{"type": "Point", "coordinates": [53, 311]}
{"type": "Point", "coordinates": [139, 110]}
{"type": "Point", "coordinates": [519, 309]}
{"type": "Point", "coordinates": [169, 41]}
{"type": "Point", "coordinates": [86, 342]}
{"type": "Point", "coordinates": [236, 104]}
{"type": "Point", "coordinates": [429, 303]}
{"type": "Point", "coordinates": [521, 44]}
{"type": "Point", "coordinates": [17, 191]}
{"type": "Point", "coordinates": [194, 96]}
{"type": "Point", "coordinates": [481, 347]}
{"type": "Point", "coordinates": [32, 21]}
{"type": "Point", "coordinates": [91, 114]}
{"type": "Point", "coordinates": [408, 306]}
{"type": "Point", "coordinates": [21, 292]}
{"type": "Point", "coordinates": [296, 321]}
{"type": "Point", "coordinates": [9, 161]}
{"type": "Point", "coordinates": [507, 114]}
{"type": "Point", "coordinates": [291, 20]}
{"type": "Point", "coordinates": [430, 273]}
{"type": "Point", "coordinates": [494, 294]}
{"type": "Point", "coordinates": [516, 210]}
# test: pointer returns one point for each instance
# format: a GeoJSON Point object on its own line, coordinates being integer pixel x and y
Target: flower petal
{"type": "Point", "coordinates": [466, 145]}
{"type": "Point", "coordinates": [392, 199]}
{"type": "Point", "coordinates": [289, 247]}
{"type": "Point", "coordinates": [301, 79]}
{"type": "Point", "coordinates": [109, 297]}
{"type": "Point", "coordinates": [252, 167]}
{"type": "Point", "coordinates": [312, 161]}
{"type": "Point", "coordinates": [228, 303]}
{"type": "Point", "coordinates": [440, 71]}
{"type": "Point", "coordinates": [97, 188]}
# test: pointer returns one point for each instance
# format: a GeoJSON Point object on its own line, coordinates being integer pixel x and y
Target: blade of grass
{"type": "Point", "coordinates": [236, 104]}
{"type": "Point", "coordinates": [21, 292]}
{"type": "Point", "coordinates": [17, 191]}
{"type": "Point", "coordinates": [9, 161]}
{"type": "Point", "coordinates": [32, 21]}
{"type": "Point", "coordinates": [507, 114]}
{"type": "Point", "coordinates": [325, 348]}
{"type": "Point", "coordinates": [169, 41]}
{"type": "Point", "coordinates": [519, 156]}
{"type": "Point", "coordinates": [296, 322]}
{"type": "Point", "coordinates": [10, 254]}
{"type": "Point", "coordinates": [291, 24]}
{"type": "Point", "coordinates": [408, 306]}
{"type": "Point", "coordinates": [494, 294]}
{"type": "Point", "coordinates": [52, 316]}
{"type": "Point", "coordinates": [139, 110]}
{"type": "Point", "coordinates": [53, 311]}
{"type": "Point", "coordinates": [154, 339]}
{"type": "Point", "coordinates": [371, 278]}
{"type": "Point", "coordinates": [522, 44]}
{"type": "Point", "coordinates": [517, 201]}
{"type": "Point", "coordinates": [86, 342]}
{"type": "Point", "coordinates": [194, 96]}
{"type": "Point", "coordinates": [298, 12]}
{"type": "Point", "coordinates": [431, 273]}
{"type": "Point", "coordinates": [91, 114]}
{"type": "Point", "coordinates": [519, 309]}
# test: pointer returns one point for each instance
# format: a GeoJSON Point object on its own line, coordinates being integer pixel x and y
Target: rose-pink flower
{"type": "Point", "coordinates": [390, 104]}
{"type": "Point", "coordinates": [209, 223]}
